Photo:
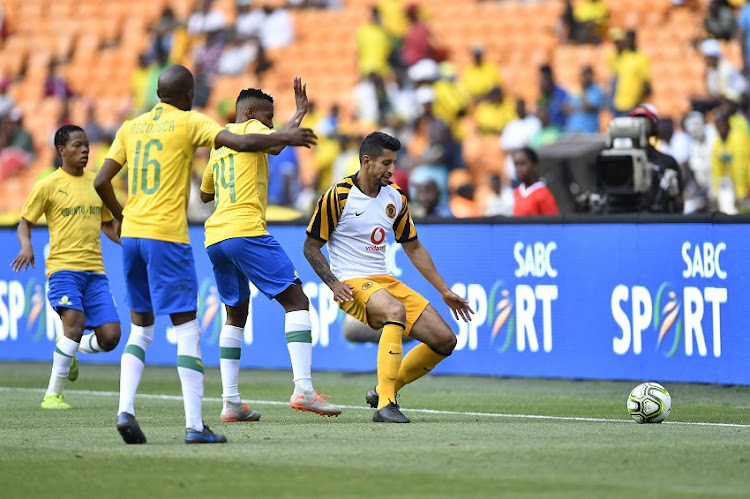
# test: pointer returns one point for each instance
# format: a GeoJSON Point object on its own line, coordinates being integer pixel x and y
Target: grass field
{"type": "Point", "coordinates": [469, 437]}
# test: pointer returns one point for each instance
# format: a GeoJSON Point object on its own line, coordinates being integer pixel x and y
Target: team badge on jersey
{"type": "Point", "coordinates": [390, 210]}
{"type": "Point", "coordinates": [367, 285]}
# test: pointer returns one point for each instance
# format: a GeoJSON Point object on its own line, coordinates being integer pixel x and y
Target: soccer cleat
{"type": "Point", "coordinates": [54, 402]}
{"type": "Point", "coordinates": [206, 436]}
{"type": "Point", "coordinates": [73, 374]}
{"type": "Point", "coordinates": [233, 413]}
{"type": "Point", "coordinates": [389, 414]}
{"type": "Point", "coordinates": [313, 402]}
{"type": "Point", "coordinates": [129, 429]}
{"type": "Point", "coordinates": [372, 397]}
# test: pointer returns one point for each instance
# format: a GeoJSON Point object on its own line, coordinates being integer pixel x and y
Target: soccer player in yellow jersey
{"type": "Point", "coordinates": [78, 289]}
{"type": "Point", "coordinates": [353, 217]}
{"type": "Point", "coordinates": [158, 147]}
{"type": "Point", "coordinates": [242, 251]}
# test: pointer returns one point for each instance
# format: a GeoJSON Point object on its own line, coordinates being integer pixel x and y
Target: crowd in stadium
{"type": "Point", "coordinates": [410, 87]}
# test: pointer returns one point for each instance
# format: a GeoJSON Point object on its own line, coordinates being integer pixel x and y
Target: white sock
{"type": "Point", "coordinates": [131, 365]}
{"type": "Point", "coordinates": [298, 329]}
{"type": "Point", "coordinates": [190, 370]}
{"type": "Point", "coordinates": [65, 350]}
{"type": "Point", "coordinates": [89, 344]}
{"type": "Point", "coordinates": [230, 348]}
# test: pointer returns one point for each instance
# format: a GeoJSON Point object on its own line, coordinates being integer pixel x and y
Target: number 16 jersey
{"type": "Point", "coordinates": [355, 227]}
{"type": "Point", "coordinates": [159, 149]}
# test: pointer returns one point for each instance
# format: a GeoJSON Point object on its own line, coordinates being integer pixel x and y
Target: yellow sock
{"type": "Point", "coordinates": [418, 362]}
{"type": "Point", "coordinates": [390, 353]}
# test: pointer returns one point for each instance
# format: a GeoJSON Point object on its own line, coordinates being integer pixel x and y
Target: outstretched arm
{"type": "Point", "coordinates": [26, 255]}
{"type": "Point", "coordinates": [103, 185]}
{"type": "Point", "coordinates": [312, 250]}
{"type": "Point", "coordinates": [423, 262]}
{"type": "Point", "coordinates": [256, 142]}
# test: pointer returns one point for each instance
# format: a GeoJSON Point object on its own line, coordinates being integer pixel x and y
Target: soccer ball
{"type": "Point", "coordinates": [649, 403]}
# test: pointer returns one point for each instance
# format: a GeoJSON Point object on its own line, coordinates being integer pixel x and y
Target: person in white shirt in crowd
{"type": "Point", "coordinates": [517, 134]}
{"type": "Point", "coordinates": [206, 19]}
{"type": "Point", "coordinates": [278, 28]}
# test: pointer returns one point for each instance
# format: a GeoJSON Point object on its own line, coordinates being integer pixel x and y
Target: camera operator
{"type": "Point", "coordinates": [635, 177]}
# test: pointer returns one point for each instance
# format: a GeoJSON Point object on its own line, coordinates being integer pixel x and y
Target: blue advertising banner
{"type": "Point", "coordinates": [602, 301]}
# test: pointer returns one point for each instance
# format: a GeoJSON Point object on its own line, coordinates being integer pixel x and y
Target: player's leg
{"type": "Point", "coordinates": [141, 335]}
{"type": "Point", "coordinates": [437, 343]}
{"type": "Point", "coordinates": [234, 292]}
{"type": "Point", "coordinates": [101, 316]}
{"type": "Point", "coordinates": [174, 292]}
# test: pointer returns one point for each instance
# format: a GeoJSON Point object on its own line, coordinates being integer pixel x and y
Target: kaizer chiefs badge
{"type": "Point", "coordinates": [390, 210]}
{"type": "Point", "coordinates": [367, 285]}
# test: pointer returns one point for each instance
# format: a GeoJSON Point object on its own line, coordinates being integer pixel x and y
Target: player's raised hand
{"type": "Point", "coordinates": [342, 292]}
{"type": "Point", "coordinates": [302, 137]}
{"type": "Point", "coordinates": [458, 305]}
{"type": "Point", "coordinates": [300, 95]}
{"type": "Point", "coordinates": [23, 260]}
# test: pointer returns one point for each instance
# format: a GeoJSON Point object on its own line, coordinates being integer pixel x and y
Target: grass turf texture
{"type": "Point", "coordinates": [505, 449]}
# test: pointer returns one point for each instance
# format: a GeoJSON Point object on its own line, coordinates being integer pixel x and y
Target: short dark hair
{"type": "Point", "coordinates": [253, 93]}
{"type": "Point", "coordinates": [62, 135]}
{"type": "Point", "coordinates": [530, 153]}
{"type": "Point", "coordinates": [374, 144]}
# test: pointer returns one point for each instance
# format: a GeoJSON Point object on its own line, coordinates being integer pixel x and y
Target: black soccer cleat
{"type": "Point", "coordinates": [206, 436]}
{"type": "Point", "coordinates": [389, 414]}
{"type": "Point", "coordinates": [129, 429]}
{"type": "Point", "coordinates": [372, 397]}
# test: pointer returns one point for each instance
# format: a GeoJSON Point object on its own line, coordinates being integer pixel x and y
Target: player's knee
{"type": "Point", "coordinates": [294, 299]}
{"type": "Point", "coordinates": [236, 317]}
{"type": "Point", "coordinates": [445, 345]}
{"type": "Point", "coordinates": [109, 343]}
{"type": "Point", "coordinates": [396, 313]}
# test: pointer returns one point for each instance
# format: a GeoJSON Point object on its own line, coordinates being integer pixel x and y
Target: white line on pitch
{"type": "Point", "coordinates": [423, 411]}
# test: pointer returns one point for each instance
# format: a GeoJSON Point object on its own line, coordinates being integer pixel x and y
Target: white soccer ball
{"type": "Point", "coordinates": [649, 403]}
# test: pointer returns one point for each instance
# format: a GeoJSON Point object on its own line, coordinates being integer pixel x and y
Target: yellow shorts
{"type": "Point", "coordinates": [413, 302]}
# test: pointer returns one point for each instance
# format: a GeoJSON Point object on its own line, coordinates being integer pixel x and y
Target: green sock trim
{"type": "Point", "coordinates": [230, 353]}
{"type": "Point", "coordinates": [91, 346]}
{"type": "Point", "coordinates": [136, 351]}
{"type": "Point", "coordinates": [57, 350]}
{"type": "Point", "coordinates": [299, 336]}
{"type": "Point", "coordinates": [189, 362]}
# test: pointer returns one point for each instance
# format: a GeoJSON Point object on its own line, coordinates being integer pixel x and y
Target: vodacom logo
{"type": "Point", "coordinates": [377, 236]}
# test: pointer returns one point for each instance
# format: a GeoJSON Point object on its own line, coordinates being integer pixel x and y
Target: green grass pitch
{"type": "Point", "coordinates": [469, 437]}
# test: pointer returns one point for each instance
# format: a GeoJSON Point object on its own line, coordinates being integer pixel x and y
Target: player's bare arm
{"type": "Point", "coordinates": [25, 257]}
{"type": "Point", "coordinates": [257, 142]}
{"type": "Point", "coordinates": [111, 229]}
{"type": "Point", "coordinates": [300, 98]}
{"type": "Point", "coordinates": [207, 197]}
{"type": "Point", "coordinates": [422, 260]}
{"type": "Point", "coordinates": [312, 250]}
{"type": "Point", "coordinates": [103, 186]}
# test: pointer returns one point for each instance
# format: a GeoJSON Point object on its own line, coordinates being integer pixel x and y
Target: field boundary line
{"type": "Point", "coordinates": [178, 398]}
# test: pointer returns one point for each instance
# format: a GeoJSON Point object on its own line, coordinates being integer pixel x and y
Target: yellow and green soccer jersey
{"type": "Point", "coordinates": [75, 213]}
{"type": "Point", "coordinates": [239, 183]}
{"type": "Point", "coordinates": [158, 147]}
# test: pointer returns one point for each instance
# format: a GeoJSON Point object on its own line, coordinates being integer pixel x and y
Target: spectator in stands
{"type": "Point", "coordinates": [517, 134]}
{"type": "Point", "coordinates": [371, 100]}
{"type": "Point", "coordinates": [373, 47]}
{"type": "Point", "coordinates": [591, 17]}
{"type": "Point", "coordinates": [169, 36]}
{"type": "Point", "coordinates": [94, 131]}
{"type": "Point", "coordinates": [617, 35]}
{"type": "Point", "coordinates": [451, 105]}
{"type": "Point", "coordinates": [283, 178]}
{"type": "Point", "coordinates": [347, 162]}
{"type": "Point", "coordinates": [583, 107]}
{"type": "Point", "coordinates": [633, 72]}
{"type": "Point", "coordinates": [395, 19]}
{"type": "Point", "coordinates": [548, 134]}
{"type": "Point", "coordinates": [249, 22]}
{"type": "Point", "coordinates": [417, 43]}
{"type": "Point", "coordinates": [729, 166]}
{"type": "Point", "coordinates": [500, 199]}
{"type": "Point", "coordinates": [567, 29]}
{"type": "Point", "coordinates": [495, 111]}
{"type": "Point", "coordinates": [481, 76]}
{"type": "Point", "coordinates": [552, 97]}
{"type": "Point", "coordinates": [55, 85]}
{"type": "Point", "coordinates": [206, 19]}
{"type": "Point", "coordinates": [429, 201]}
{"type": "Point", "coordinates": [237, 56]}
{"type": "Point", "coordinates": [462, 203]}
{"type": "Point", "coordinates": [531, 197]}
{"type": "Point", "coordinates": [16, 144]}
{"type": "Point", "coordinates": [723, 80]}
{"type": "Point", "coordinates": [208, 54]}
{"type": "Point", "coordinates": [703, 136]}
{"type": "Point", "coordinates": [278, 28]}
{"type": "Point", "coordinates": [6, 100]}
{"type": "Point", "coordinates": [720, 21]}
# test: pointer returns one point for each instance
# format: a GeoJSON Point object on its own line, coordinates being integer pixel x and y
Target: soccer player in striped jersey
{"type": "Point", "coordinates": [78, 289]}
{"type": "Point", "coordinates": [158, 147]}
{"type": "Point", "coordinates": [240, 249]}
{"type": "Point", "coordinates": [354, 217]}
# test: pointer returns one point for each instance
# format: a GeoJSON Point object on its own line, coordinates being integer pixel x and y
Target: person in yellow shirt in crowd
{"type": "Point", "coordinates": [395, 21]}
{"type": "Point", "coordinates": [729, 165]}
{"type": "Point", "coordinates": [633, 72]}
{"type": "Point", "coordinates": [493, 113]}
{"type": "Point", "coordinates": [240, 249]}
{"type": "Point", "coordinates": [451, 104]}
{"type": "Point", "coordinates": [78, 288]}
{"type": "Point", "coordinates": [158, 148]}
{"type": "Point", "coordinates": [373, 47]}
{"type": "Point", "coordinates": [592, 17]}
{"type": "Point", "coordinates": [481, 76]}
